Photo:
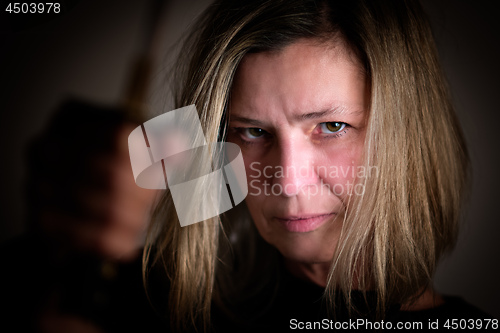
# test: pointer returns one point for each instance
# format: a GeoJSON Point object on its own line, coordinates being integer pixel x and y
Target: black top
{"type": "Point", "coordinates": [298, 305]}
{"type": "Point", "coordinates": [116, 302]}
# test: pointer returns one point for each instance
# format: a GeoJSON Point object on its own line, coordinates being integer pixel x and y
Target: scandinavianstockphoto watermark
{"type": "Point", "coordinates": [354, 324]}
{"type": "Point", "coordinates": [367, 325]}
{"type": "Point", "coordinates": [337, 180]}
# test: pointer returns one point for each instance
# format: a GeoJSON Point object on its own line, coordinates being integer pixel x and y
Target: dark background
{"type": "Point", "coordinates": [87, 52]}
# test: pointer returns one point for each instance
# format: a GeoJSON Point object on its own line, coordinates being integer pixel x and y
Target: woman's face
{"type": "Point", "coordinates": [299, 117]}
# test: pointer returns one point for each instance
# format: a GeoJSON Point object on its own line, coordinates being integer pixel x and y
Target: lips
{"type": "Point", "coordinates": [303, 223]}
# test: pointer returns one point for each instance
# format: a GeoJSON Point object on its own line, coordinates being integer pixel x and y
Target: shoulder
{"type": "Point", "coordinates": [453, 313]}
{"type": "Point", "coordinates": [457, 307]}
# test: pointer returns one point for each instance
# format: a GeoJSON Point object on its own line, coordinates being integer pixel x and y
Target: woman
{"type": "Point", "coordinates": [355, 162]}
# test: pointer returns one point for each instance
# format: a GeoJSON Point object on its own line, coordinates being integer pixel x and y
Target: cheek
{"type": "Point", "coordinates": [338, 168]}
{"type": "Point", "coordinates": [253, 168]}
{"type": "Point", "coordinates": [255, 179]}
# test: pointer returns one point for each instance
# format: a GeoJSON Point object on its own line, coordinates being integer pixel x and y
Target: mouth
{"type": "Point", "coordinates": [303, 223]}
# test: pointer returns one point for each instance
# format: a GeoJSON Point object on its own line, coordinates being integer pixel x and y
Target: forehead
{"type": "Point", "coordinates": [305, 76]}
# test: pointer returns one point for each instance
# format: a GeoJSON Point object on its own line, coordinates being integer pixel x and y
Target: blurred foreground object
{"type": "Point", "coordinates": [81, 192]}
{"type": "Point", "coordinates": [79, 268]}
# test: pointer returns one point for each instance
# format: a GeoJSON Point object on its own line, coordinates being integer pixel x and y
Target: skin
{"type": "Point", "coordinates": [287, 113]}
{"type": "Point", "coordinates": [292, 95]}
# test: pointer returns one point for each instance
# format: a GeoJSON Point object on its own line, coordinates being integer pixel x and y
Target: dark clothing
{"type": "Point", "coordinates": [298, 305]}
{"type": "Point", "coordinates": [112, 297]}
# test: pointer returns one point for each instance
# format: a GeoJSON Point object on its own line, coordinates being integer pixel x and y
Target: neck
{"type": "Point", "coordinates": [316, 273]}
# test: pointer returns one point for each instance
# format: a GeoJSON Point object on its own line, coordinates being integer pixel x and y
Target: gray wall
{"type": "Point", "coordinates": [87, 53]}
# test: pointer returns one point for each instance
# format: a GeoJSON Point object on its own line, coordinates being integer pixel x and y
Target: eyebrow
{"type": "Point", "coordinates": [337, 110]}
{"type": "Point", "coordinates": [249, 121]}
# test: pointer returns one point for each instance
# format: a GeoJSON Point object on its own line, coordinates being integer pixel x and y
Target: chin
{"type": "Point", "coordinates": [306, 249]}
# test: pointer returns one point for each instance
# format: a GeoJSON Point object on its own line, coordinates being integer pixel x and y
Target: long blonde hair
{"type": "Point", "coordinates": [407, 217]}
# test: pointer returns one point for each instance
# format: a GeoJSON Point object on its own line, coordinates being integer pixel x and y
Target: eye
{"type": "Point", "coordinates": [252, 133]}
{"type": "Point", "coordinates": [332, 127]}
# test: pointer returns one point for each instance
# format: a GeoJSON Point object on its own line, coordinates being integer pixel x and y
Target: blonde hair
{"type": "Point", "coordinates": [393, 234]}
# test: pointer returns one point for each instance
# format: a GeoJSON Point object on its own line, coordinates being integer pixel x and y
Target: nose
{"type": "Point", "coordinates": [296, 169]}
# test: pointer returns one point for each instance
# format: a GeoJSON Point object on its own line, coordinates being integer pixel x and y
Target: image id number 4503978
{"type": "Point", "coordinates": [454, 324]}
{"type": "Point", "coordinates": [33, 8]}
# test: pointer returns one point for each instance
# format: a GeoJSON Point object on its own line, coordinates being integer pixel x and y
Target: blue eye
{"type": "Point", "coordinates": [252, 133]}
{"type": "Point", "coordinates": [332, 127]}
